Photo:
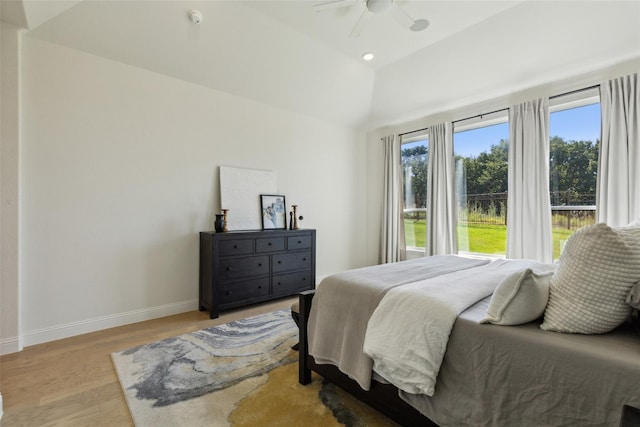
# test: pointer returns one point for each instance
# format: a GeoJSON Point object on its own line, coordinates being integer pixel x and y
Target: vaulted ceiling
{"type": "Point", "coordinates": [286, 54]}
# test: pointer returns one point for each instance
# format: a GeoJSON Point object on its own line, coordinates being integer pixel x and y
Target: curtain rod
{"type": "Point", "coordinates": [503, 109]}
{"type": "Point", "coordinates": [575, 91]}
{"type": "Point", "coordinates": [413, 131]}
{"type": "Point", "coordinates": [455, 121]}
{"type": "Point", "coordinates": [480, 115]}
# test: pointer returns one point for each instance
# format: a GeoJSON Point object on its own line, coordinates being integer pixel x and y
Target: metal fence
{"type": "Point", "coordinates": [568, 210]}
{"type": "Point", "coordinates": [572, 211]}
{"type": "Point", "coordinates": [488, 208]}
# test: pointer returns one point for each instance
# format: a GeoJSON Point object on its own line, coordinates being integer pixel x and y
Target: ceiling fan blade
{"type": "Point", "coordinates": [401, 16]}
{"type": "Point", "coordinates": [357, 29]}
{"type": "Point", "coordinates": [335, 4]}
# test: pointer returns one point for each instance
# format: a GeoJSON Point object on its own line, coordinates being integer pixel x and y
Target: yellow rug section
{"type": "Point", "coordinates": [282, 401]}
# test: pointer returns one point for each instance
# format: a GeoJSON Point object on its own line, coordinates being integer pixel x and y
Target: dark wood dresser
{"type": "Point", "coordinates": [238, 268]}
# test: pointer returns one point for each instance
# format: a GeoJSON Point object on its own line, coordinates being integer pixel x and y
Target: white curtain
{"type": "Point", "coordinates": [392, 242]}
{"type": "Point", "coordinates": [528, 205]}
{"type": "Point", "coordinates": [618, 190]}
{"type": "Point", "coordinates": [441, 194]}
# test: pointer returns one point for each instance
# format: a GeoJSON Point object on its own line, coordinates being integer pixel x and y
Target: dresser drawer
{"type": "Point", "coordinates": [241, 291]}
{"type": "Point", "coordinates": [299, 242]}
{"type": "Point", "coordinates": [291, 261]}
{"type": "Point", "coordinates": [271, 244]}
{"type": "Point", "coordinates": [235, 247]}
{"type": "Point", "coordinates": [286, 283]}
{"type": "Point", "coordinates": [234, 268]}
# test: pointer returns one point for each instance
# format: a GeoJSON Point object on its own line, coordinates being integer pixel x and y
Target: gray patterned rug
{"type": "Point", "coordinates": [234, 375]}
{"type": "Point", "coordinates": [163, 380]}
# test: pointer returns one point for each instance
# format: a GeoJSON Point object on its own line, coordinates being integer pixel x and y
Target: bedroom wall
{"type": "Point", "coordinates": [119, 173]}
{"type": "Point", "coordinates": [9, 186]}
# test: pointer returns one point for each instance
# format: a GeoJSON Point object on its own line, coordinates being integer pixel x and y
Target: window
{"type": "Point", "coordinates": [574, 132]}
{"type": "Point", "coordinates": [481, 151]}
{"type": "Point", "coordinates": [415, 149]}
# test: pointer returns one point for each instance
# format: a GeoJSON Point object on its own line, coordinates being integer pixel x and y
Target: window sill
{"type": "Point", "coordinates": [413, 253]}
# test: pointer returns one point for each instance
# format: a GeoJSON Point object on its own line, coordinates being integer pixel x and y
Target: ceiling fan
{"type": "Point", "coordinates": [374, 7]}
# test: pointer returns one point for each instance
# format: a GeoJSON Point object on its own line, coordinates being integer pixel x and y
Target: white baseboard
{"type": "Point", "coordinates": [104, 322]}
{"type": "Point", "coordinates": [10, 345]}
{"type": "Point", "coordinates": [1, 410]}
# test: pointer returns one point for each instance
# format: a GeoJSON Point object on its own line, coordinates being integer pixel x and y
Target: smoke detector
{"type": "Point", "coordinates": [195, 16]}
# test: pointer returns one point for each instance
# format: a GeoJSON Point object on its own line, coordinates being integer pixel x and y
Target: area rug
{"type": "Point", "coordinates": [242, 373]}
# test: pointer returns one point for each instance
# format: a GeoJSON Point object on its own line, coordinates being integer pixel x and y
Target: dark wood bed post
{"type": "Point", "coordinates": [304, 371]}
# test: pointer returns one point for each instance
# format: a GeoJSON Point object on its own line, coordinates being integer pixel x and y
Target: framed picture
{"type": "Point", "coordinates": [274, 212]}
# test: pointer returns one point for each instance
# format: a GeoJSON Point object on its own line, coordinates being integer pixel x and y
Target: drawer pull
{"type": "Point", "coordinates": [235, 246]}
{"type": "Point", "coordinates": [228, 292]}
{"type": "Point", "coordinates": [299, 242]}
{"type": "Point", "coordinates": [228, 268]}
{"type": "Point", "coordinates": [279, 262]}
{"type": "Point", "coordinates": [279, 284]}
{"type": "Point", "coordinates": [304, 278]}
{"type": "Point", "coordinates": [304, 259]}
{"type": "Point", "coordinates": [269, 243]}
{"type": "Point", "coordinates": [259, 264]}
{"type": "Point", "coordinates": [259, 287]}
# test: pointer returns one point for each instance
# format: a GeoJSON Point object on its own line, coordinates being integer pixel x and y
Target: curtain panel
{"type": "Point", "coordinates": [442, 215]}
{"type": "Point", "coordinates": [392, 240]}
{"type": "Point", "coordinates": [529, 232]}
{"type": "Point", "coordinates": [618, 188]}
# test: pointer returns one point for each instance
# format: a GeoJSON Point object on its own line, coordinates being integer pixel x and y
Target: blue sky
{"type": "Point", "coordinates": [576, 124]}
{"type": "Point", "coordinates": [582, 123]}
{"type": "Point", "coordinates": [476, 141]}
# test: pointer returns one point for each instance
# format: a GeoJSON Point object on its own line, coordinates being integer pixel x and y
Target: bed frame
{"type": "Point", "coordinates": [382, 397]}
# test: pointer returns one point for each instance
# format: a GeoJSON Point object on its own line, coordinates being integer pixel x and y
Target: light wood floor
{"type": "Point", "coordinates": [72, 382]}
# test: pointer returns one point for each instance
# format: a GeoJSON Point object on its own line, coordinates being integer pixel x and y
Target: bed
{"type": "Point", "coordinates": [367, 329]}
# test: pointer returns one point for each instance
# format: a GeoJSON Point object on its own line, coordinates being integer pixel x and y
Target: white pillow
{"type": "Point", "coordinates": [597, 269]}
{"type": "Point", "coordinates": [519, 298]}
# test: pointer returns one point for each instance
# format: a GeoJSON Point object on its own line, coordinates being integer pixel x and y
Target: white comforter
{"type": "Point", "coordinates": [344, 303]}
{"type": "Point", "coordinates": [408, 332]}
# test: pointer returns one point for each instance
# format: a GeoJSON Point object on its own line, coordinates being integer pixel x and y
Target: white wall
{"type": "Point", "coordinates": [9, 188]}
{"type": "Point", "coordinates": [119, 173]}
{"type": "Point", "coordinates": [525, 46]}
{"type": "Point", "coordinates": [266, 61]}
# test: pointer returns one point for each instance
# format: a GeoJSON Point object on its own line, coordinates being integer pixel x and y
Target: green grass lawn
{"type": "Point", "coordinates": [487, 239]}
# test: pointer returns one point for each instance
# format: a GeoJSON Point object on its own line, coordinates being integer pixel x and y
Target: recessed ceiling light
{"type": "Point", "coordinates": [367, 56]}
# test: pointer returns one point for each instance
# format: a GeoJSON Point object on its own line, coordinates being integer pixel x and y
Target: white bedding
{"type": "Point", "coordinates": [344, 303]}
{"type": "Point", "coordinates": [408, 332]}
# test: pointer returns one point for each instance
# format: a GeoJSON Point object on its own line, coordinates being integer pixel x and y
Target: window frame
{"type": "Point", "coordinates": [481, 121]}
{"type": "Point", "coordinates": [577, 99]}
{"type": "Point", "coordinates": [409, 138]}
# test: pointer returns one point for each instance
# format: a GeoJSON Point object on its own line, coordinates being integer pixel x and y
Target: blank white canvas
{"type": "Point", "coordinates": [240, 191]}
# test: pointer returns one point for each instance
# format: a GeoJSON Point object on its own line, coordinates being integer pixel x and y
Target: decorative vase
{"type": "Point", "coordinates": [219, 224]}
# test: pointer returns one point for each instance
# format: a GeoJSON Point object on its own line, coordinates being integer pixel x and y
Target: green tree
{"type": "Point", "coordinates": [414, 162]}
{"type": "Point", "coordinates": [573, 171]}
{"type": "Point", "coordinates": [572, 175]}
{"type": "Point", "coordinates": [487, 172]}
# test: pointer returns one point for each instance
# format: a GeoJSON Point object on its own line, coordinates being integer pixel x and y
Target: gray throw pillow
{"type": "Point", "coordinates": [589, 290]}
